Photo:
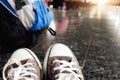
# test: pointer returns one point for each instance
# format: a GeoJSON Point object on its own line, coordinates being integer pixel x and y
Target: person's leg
{"type": "Point", "coordinates": [13, 34]}
{"type": "Point", "coordinates": [23, 65]}
{"type": "Point", "coordinates": [61, 64]}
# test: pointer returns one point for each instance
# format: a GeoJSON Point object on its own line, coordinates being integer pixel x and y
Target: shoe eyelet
{"type": "Point", "coordinates": [61, 63]}
{"type": "Point", "coordinates": [52, 63]}
{"type": "Point", "coordinates": [53, 71]}
{"type": "Point", "coordinates": [70, 60]}
{"type": "Point", "coordinates": [54, 78]}
{"type": "Point", "coordinates": [79, 78]}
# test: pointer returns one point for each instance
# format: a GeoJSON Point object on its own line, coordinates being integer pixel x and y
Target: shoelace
{"type": "Point", "coordinates": [21, 72]}
{"type": "Point", "coordinates": [67, 71]}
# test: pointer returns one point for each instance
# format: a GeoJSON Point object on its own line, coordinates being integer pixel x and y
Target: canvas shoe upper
{"type": "Point", "coordinates": [23, 65]}
{"type": "Point", "coordinates": [61, 64]}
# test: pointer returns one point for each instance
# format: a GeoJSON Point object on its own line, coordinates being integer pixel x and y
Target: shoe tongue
{"type": "Point", "coordinates": [24, 61]}
{"type": "Point", "coordinates": [60, 58]}
{"type": "Point", "coordinates": [66, 58]}
{"type": "Point", "coordinates": [15, 65]}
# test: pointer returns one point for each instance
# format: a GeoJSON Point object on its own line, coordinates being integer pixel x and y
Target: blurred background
{"type": "Point", "coordinates": [91, 28]}
{"type": "Point", "coordinates": [77, 3]}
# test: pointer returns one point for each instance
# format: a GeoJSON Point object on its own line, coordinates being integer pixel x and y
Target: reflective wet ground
{"type": "Point", "coordinates": [93, 34]}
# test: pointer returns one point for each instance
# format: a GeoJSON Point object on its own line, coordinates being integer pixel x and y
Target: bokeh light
{"type": "Point", "coordinates": [99, 2]}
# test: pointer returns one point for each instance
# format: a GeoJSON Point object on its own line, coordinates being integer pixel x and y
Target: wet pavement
{"type": "Point", "coordinates": [93, 34]}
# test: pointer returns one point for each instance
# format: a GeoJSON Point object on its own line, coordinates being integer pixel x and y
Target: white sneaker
{"type": "Point", "coordinates": [23, 65]}
{"type": "Point", "coordinates": [61, 64]}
